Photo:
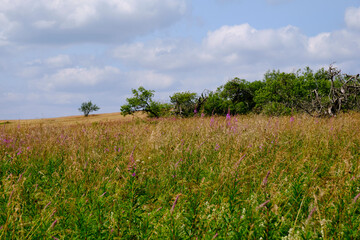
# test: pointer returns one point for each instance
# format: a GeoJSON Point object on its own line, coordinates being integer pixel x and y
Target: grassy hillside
{"type": "Point", "coordinates": [75, 119]}
{"type": "Point", "coordinates": [226, 178]}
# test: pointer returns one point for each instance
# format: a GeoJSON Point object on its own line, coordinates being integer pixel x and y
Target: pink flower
{"type": "Point", "coordinates": [263, 204]}
{"type": "Point", "coordinates": [228, 117]}
{"type": "Point", "coordinates": [54, 223]}
{"type": "Point", "coordinates": [266, 179]}
{"type": "Point", "coordinates": [311, 213]}
{"type": "Point", "coordinates": [356, 197]}
{"type": "Point", "coordinates": [174, 204]}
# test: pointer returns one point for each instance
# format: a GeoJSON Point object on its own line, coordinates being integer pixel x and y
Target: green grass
{"type": "Point", "coordinates": [250, 177]}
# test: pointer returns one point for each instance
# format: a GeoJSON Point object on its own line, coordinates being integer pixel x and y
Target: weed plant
{"type": "Point", "coordinates": [239, 177]}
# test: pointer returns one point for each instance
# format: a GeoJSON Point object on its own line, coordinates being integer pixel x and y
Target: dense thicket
{"type": "Point", "coordinates": [320, 93]}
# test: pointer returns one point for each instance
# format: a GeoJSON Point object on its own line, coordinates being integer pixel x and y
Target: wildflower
{"type": "Point", "coordinates": [195, 111]}
{"type": "Point", "coordinates": [356, 197]}
{"type": "Point", "coordinates": [52, 214]}
{"type": "Point", "coordinates": [202, 115]}
{"type": "Point", "coordinates": [228, 117]}
{"type": "Point", "coordinates": [133, 174]}
{"type": "Point", "coordinates": [238, 162]}
{"type": "Point", "coordinates": [20, 177]}
{"type": "Point", "coordinates": [217, 147]}
{"type": "Point", "coordinates": [311, 213]}
{"type": "Point", "coordinates": [263, 204]}
{"type": "Point", "coordinates": [174, 204]}
{"type": "Point", "coordinates": [176, 164]}
{"type": "Point", "coordinates": [212, 121]}
{"type": "Point", "coordinates": [47, 205]}
{"type": "Point", "coordinates": [266, 179]}
{"type": "Point", "coordinates": [54, 223]}
{"type": "Point", "coordinates": [292, 119]}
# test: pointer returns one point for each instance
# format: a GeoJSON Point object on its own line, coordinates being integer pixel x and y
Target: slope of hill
{"type": "Point", "coordinates": [75, 119]}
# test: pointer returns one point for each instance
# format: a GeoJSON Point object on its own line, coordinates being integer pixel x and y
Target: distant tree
{"type": "Point", "coordinates": [184, 103]}
{"type": "Point", "coordinates": [87, 107]}
{"type": "Point", "coordinates": [142, 101]}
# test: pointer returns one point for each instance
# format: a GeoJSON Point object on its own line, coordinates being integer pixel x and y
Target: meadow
{"type": "Point", "coordinates": [239, 177]}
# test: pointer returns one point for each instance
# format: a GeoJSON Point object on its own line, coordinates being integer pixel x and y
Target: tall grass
{"type": "Point", "coordinates": [239, 177]}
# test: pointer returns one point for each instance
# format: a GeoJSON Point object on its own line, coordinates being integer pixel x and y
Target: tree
{"type": "Point", "coordinates": [142, 101]}
{"type": "Point", "coordinates": [184, 103]}
{"type": "Point", "coordinates": [87, 107]}
{"type": "Point", "coordinates": [237, 95]}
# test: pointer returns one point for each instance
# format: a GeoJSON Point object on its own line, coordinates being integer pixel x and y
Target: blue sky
{"type": "Point", "coordinates": [54, 55]}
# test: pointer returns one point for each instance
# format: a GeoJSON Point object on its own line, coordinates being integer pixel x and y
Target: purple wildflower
{"type": "Point", "coordinates": [176, 164]}
{"type": "Point", "coordinates": [217, 147]}
{"type": "Point", "coordinates": [292, 119]}
{"type": "Point", "coordinates": [195, 111]}
{"type": "Point", "coordinates": [266, 179]}
{"type": "Point", "coordinates": [228, 117]}
{"type": "Point", "coordinates": [311, 213]}
{"type": "Point", "coordinates": [356, 197]}
{"type": "Point", "coordinates": [133, 174]}
{"type": "Point", "coordinates": [212, 121]}
{"type": "Point", "coordinates": [54, 223]}
{"type": "Point", "coordinates": [47, 205]}
{"type": "Point", "coordinates": [238, 162]}
{"type": "Point", "coordinates": [263, 204]}
{"type": "Point", "coordinates": [174, 204]}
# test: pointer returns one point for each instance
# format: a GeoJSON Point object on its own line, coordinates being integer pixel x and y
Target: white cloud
{"type": "Point", "coordinates": [335, 46]}
{"type": "Point", "coordinates": [352, 18]}
{"type": "Point", "coordinates": [58, 61]}
{"type": "Point", "coordinates": [239, 50]}
{"type": "Point", "coordinates": [150, 79]}
{"type": "Point", "coordinates": [246, 41]}
{"type": "Point", "coordinates": [77, 78]}
{"type": "Point", "coordinates": [69, 21]}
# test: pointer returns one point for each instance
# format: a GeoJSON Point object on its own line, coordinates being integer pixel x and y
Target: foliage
{"type": "Point", "coordinates": [184, 103]}
{"type": "Point", "coordinates": [142, 101]}
{"type": "Point", "coordinates": [87, 107]}
{"type": "Point", "coordinates": [244, 177]}
{"type": "Point", "coordinates": [321, 93]}
{"type": "Point", "coordinates": [236, 96]}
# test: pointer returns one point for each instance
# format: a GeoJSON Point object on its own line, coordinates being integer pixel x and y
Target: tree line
{"type": "Point", "coordinates": [318, 93]}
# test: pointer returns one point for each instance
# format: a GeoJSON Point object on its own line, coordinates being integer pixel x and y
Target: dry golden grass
{"type": "Point", "coordinates": [75, 119]}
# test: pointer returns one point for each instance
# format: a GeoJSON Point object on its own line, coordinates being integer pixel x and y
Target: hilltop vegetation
{"type": "Point", "coordinates": [323, 93]}
{"type": "Point", "coordinates": [237, 177]}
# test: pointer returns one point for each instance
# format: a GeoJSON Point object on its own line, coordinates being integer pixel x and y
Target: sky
{"type": "Point", "coordinates": [55, 55]}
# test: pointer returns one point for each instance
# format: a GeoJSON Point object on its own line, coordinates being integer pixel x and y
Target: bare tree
{"type": "Point", "coordinates": [344, 92]}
